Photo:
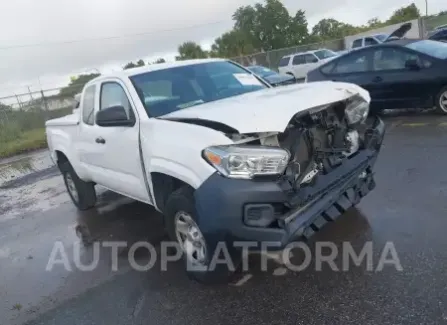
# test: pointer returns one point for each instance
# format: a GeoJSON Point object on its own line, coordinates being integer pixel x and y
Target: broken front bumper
{"type": "Point", "coordinates": [223, 205]}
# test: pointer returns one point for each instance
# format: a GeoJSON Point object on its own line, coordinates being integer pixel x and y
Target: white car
{"type": "Point", "coordinates": [381, 38]}
{"type": "Point", "coordinates": [299, 64]}
{"type": "Point", "coordinates": [223, 155]}
{"type": "Point", "coordinates": [369, 40]}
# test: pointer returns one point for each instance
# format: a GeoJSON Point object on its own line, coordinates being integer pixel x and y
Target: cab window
{"type": "Point", "coordinates": [113, 94]}
{"type": "Point", "coordinates": [299, 59]}
{"type": "Point", "coordinates": [284, 62]}
{"type": "Point", "coordinates": [88, 105]}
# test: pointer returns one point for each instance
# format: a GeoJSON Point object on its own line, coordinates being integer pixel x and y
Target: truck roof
{"type": "Point", "coordinates": [153, 67]}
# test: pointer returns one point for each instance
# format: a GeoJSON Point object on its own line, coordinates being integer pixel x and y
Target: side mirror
{"type": "Point", "coordinates": [314, 60]}
{"type": "Point", "coordinates": [412, 64]}
{"type": "Point", "coordinates": [114, 116]}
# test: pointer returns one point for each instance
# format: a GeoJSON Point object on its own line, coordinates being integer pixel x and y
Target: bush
{"type": "Point", "coordinates": [22, 131]}
{"type": "Point", "coordinates": [26, 141]}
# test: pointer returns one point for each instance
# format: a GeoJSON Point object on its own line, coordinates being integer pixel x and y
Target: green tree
{"type": "Point", "coordinates": [269, 26]}
{"type": "Point", "coordinates": [331, 29]}
{"type": "Point", "coordinates": [160, 60]}
{"type": "Point", "coordinates": [374, 23]}
{"type": "Point", "coordinates": [404, 14]}
{"type": "Point", "coordinates": [129, 65]}
{"type": "Point", "coordinates": [190, 50]}
{"type": "Point", "coordinates": [231, 44]}
{"type": "Point", "coordinates": [76, 84]}
{"type": "Point", "coordinates": [298, 32]}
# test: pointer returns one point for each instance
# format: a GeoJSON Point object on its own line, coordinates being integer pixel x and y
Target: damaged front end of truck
{"type": "Point", "coordinates": [307, 176]}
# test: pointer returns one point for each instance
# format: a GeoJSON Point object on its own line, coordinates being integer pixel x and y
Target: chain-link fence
{"type": "Point", "coordinates": [23, 116]}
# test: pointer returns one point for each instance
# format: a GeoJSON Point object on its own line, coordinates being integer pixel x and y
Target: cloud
{"type": "Point", "coordinates": [157, 29]}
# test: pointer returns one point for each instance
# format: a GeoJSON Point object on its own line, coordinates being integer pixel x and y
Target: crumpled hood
{"type": "Point", "coordinates": [269, 110]}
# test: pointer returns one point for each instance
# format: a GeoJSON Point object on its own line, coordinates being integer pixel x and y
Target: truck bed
{"type": "Point", "coordinates": [72, 119]}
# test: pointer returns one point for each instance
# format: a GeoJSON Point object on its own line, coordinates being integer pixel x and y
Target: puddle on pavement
{"type": "Point", "coordinates": [17, 167]}
{"type": "Point", "coordinates": [31, 198]}
{"type": "Point", "coordinates": [36, 216]}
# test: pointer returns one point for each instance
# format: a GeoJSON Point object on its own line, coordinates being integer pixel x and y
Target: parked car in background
{"type": "Point", "coordinates": [436, 29]}
{"type": "Point", "coordinates": [272, 77]}
{"type": "Point", "coordinates": [223, 155]}
{"type": "Point", "coordinates": [342, 52]}
{"type": "Point", "coordinates": [381, 38]}
{"type": "Point", "coordinates": [369, 40]}
{"type": "Point", "coordinates": [299, 64]}
{"type": "Point", "coordinates": [399, 74]}
{"type": "Point", "coordinates": [438, 35]}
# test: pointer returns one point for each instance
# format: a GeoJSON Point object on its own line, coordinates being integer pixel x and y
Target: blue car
{"type": "Point", "coordinates": [273, 78]}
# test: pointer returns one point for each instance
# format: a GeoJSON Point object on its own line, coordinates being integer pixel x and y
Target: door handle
{"type": "Point", "coordinates": [100, 140]}
{"type": "Point", "coordinates": [377, 79]}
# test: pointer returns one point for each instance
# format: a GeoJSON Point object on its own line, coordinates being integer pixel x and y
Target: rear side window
{"type": "Point", "coordinates": [88, 105]}
{"type": "Point", "coordinates": [327, 69]}
{"type": "Point", "coordinates": [370, 41]}
{"type": "Point", "coordinates": [310, 58]}
{"type": "Point", "coordinates": [299, 59]}
{"type": "Point", "coordinates": [284, 62]}
{"type": "Point", "coordinates": [357, 43]}
{"type": "Point", "coordinates": [355, 62]}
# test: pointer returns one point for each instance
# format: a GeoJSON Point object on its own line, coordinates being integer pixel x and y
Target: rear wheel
{"type": "Point", "coordinates": [441, 101]}
{"type": "Point", "coordinates": [82, 193]}
{"type": "Point", "coordinates": [198, 251]}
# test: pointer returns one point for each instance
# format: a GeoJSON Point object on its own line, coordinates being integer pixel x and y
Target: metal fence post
{"type": "Point", "coordinates": [45, 104]}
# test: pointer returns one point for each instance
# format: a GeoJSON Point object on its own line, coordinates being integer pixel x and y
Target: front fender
{"type": "Point", "coordinates": [175, 149]}
{"type": "Point", "coordinates": [194, 177]}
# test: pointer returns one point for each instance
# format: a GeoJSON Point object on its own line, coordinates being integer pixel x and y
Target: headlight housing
{"type": "Point", "coordinates": [247, 162]}
{"type": "Point", "coordinates": [356, 110]}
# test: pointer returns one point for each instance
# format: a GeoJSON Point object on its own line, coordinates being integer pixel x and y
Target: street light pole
{"type": "Point", "coordinates": [426, 7]}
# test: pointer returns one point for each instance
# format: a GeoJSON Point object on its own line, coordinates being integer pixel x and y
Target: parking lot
{"type": "Point", "coordinates": [407, 209]}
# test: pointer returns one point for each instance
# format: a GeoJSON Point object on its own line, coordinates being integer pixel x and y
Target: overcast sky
{"type": "Point", "coordinates": [162, 25]}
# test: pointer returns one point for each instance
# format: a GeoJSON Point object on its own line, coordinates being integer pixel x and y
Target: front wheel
{"type": "Point", "coordinates": [441, 101]}
{"type": "Point", "coordinates": [198, 250]}
{"type": "Point", "coordinates": [82, 193]}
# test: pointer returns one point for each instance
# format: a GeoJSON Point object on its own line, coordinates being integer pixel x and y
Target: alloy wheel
{"type": "Point", "coordinates": [190, 238]}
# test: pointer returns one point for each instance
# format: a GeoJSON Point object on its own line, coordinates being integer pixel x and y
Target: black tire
{"type": "Point", "coordinates": [86, 194]}
{"type": "Point", "coordinates": [439, 108]}
{"type": "Point", "coordinates": [182, 200]}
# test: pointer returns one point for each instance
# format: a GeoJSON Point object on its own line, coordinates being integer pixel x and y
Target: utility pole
{"type": "Point", "coordinates": [426, 7]}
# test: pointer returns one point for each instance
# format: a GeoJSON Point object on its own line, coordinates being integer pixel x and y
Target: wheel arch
{"type": "Point", "coordinates": [163, 185]}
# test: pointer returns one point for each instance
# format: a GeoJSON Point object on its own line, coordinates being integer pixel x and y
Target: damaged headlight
{"type": "Point", "coordinates": [247, 161]}
{"type": "Point", "coordinates": [356, 110]}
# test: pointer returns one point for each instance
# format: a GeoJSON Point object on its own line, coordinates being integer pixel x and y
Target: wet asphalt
{"type": "Point", "coordinates": [408, 208]}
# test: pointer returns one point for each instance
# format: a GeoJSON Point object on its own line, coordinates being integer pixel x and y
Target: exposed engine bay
{"type": "Point", "coordinates": [318, 143]}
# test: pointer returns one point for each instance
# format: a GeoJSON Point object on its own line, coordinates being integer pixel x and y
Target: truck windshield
{"type": "Point", "coordinates": [168, 90]}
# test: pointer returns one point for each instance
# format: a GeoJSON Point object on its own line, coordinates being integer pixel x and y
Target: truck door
{"type": "Point", "coordinates": [115, 160]}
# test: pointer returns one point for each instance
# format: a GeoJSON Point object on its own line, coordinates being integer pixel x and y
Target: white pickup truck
{"type": "Point", "coordinates": [223, 155]}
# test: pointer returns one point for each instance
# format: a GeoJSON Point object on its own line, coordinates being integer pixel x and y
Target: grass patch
{"type": "Point", "coordinates": [24, 142]}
